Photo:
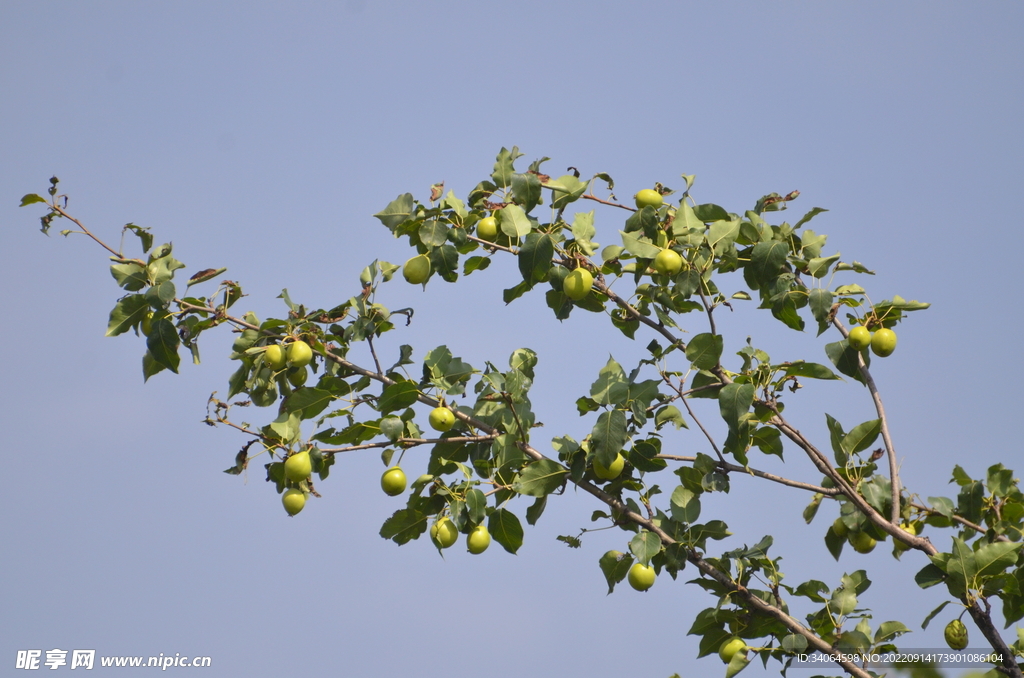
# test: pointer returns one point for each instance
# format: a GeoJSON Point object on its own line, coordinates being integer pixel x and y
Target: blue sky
{"type": "Point", "coordinates": [262, 137]}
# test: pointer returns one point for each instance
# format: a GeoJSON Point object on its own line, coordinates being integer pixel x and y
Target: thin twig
{"type": "Point", "coordinates": [591, 196]}
{"type": "Point", "coordinates": [369, 340]}
{"type": "Point", "coordinates": [85, 230]}
{"type": "Point", "coordinates": [408, 442]}
{"type": "Point", "coordinates": [689, 410]}
{"type": "Point", "coordinates": [876, 398]}
{"type": "Point", "coordinates": [827, 491]}
{"type": "Point", "coordinates": [488, 243]}
{"type": "Point", "coordinates": [707, 306]}
{"type": "Point", "coordinates": [958, 519]}
{"type": "Point", "coordinates": [600, 286]}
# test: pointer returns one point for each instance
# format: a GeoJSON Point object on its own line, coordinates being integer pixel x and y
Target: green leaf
{"type": "Point", "coordinates": [685, 505]}
{"type": "Point", "coordinates": [503, 166]}
{"type": "Point", "coordinates": [734, 400]}
{"type": "Point", "coordinates": [308, 401]}
{"type": "Point", "coordinates": [397, 212]}
{"type": "Point", "coordinates": [30, 198]}
{"type": "Point", "coordinates": [609, 436]}
{"type": "Point", "coordinates": [862, 436]}
{"type": "Point", "coordinates": [615, 566]}
{"type": "Point", "coordinates": [807, 217]}
{"type": "Point", "coordinates": [128, 313]}
{"type": "Point", "coordinates": [889, 630]}
{"type": "Point", "coordinates": [513, 221]}
{"type": "Point", "coordinates": [709, 212]}
{"type": "Point", "coordinates": [670, 413]}
{"type": "Point", "coordinates": [639, 246]}
{"type": "Point", "coordinates": [845, 359]}
{"type": "Point", "coordinates": [705, 350]}
{"type": "Point", "coordinates": [738, 662]}
{"type": "Point", "coordinates": [820, 302]}
{"type": "Point", "coordinates": [722, 235]}
{"type": "Point", "coordinates": [433, 233]}
{"type": "Point", "coordinates": [819, 266]}
{"type": "Point", "coordinates": [768, 440]}
{"type": "Point", "coordinates": [476, 504]}
{"type": "Point", "coordinates": [794, 643]}
{"type": "Point", "coordinates": [506, 529]}
{"type": "Point", "coordinates": [686, 221]}
{"type": "Point", "coordinates": [150, 366]}
{"type": "Point", "coordinates": [836, 435]}
{"type": "Point", "coordinates": [444, 261]}
{"type": "Point", "coordinates": [1000, 481]}
{"type": "Point", "coordinates": [513, 293]}
{"type": "Point", "coordinates": [645, 546]}
{"type": "Point", "coordinates": [540, 478]}
{"type": "Point", "coordinates": [285, 427]}
{"type": "Point", "coordinates": [163, 343]}
{"type": "Point", "coordinates": [536, 509]}
{"type": "Point", "coordinates": [943, 505]}
{"type": "Point", "coordinates": [583, 231]}
{"type": "Point", "coordinates": [566, 189]}
{"type": "Point", "coordinates": [404, 526]}
{"type": "Point", "coordinates": [535, 257]}
{"type": "Point", "coordinates": [844, 601]}
{"type": "Point", "coordinates": [397, 396]}
{"type": "Point", "coordinates": [931, 615]}
{"type": "Point", "coordinates": [809, 370]}
{"type": "Point", "coordinates": [961, 568]}
{"type": "Point", "coordinates": [131, 277]}
{"type": "Point", "coordinates": [392, 428]}
{"type": "Point", "coordinates": [766, 262]}
{"type": "Point", "coordinates": [930, 575]}
{"type": "Point", "coordinates": [475, 264]}
{"type": "Point", "coordinates": [834, 543]}
{"type": "Point", "coordinates": [612, 386]}
{"type": "Point", "coordinates": [526, 189]}
{"type": "Point", "coordinates": [991, 559]}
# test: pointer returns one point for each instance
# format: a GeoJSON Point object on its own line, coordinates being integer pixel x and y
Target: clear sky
{"type": "Point", "coordinates": [263, 136]}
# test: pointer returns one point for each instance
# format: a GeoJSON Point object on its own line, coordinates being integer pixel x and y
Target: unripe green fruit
{"type": "Point", "coordinates": [443, 533]}
{"type": "Point", "coordinates": [668, 262]}
{"type": "Point", "coordinates": [648, 197]}
{"type": "Point", "coordinates": [274, 357]}
{"type": "Point", "coordinates": [478, 540]}
{"type": "Point", "coordinates": [577, 284]}
{"type": "Point", "coordinates": [417, 269]}
{"type": "Point", "coordinates": [298, 467]}
{"type": "Point", "coordinates": [728, 649]}
{"type": "Point", "coordinates": [147, 323]}
{"type": "Point", "coordinates": [956, 634]}
{"type": "Point", "coordinates": [393, 481]}
{"type": "Point", "coordinates": [299, 354]}
{"type": "Point", "coordinates": [641, 577]}
{"type": "Point", "coordinates": [441, 419]}
{"type": "Point", "coordinates": [840, 529]}
{"type": "Point", "coordinates": [297, 376]}
{"type": "Point", "coordinates": [612, 472]}
{"type": "Point", "coordinates": [883, 343]}
{"type": "Point", "coordinates": [909, 528]}
{"type": "Point", "coordinates": [860, 338]}
{"type": "Point", "coordinates": [487, 229]}
{"type": "Point", "coordinates": [293, 500]}
{"type": "Point", "coordinates": [862, 542]}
